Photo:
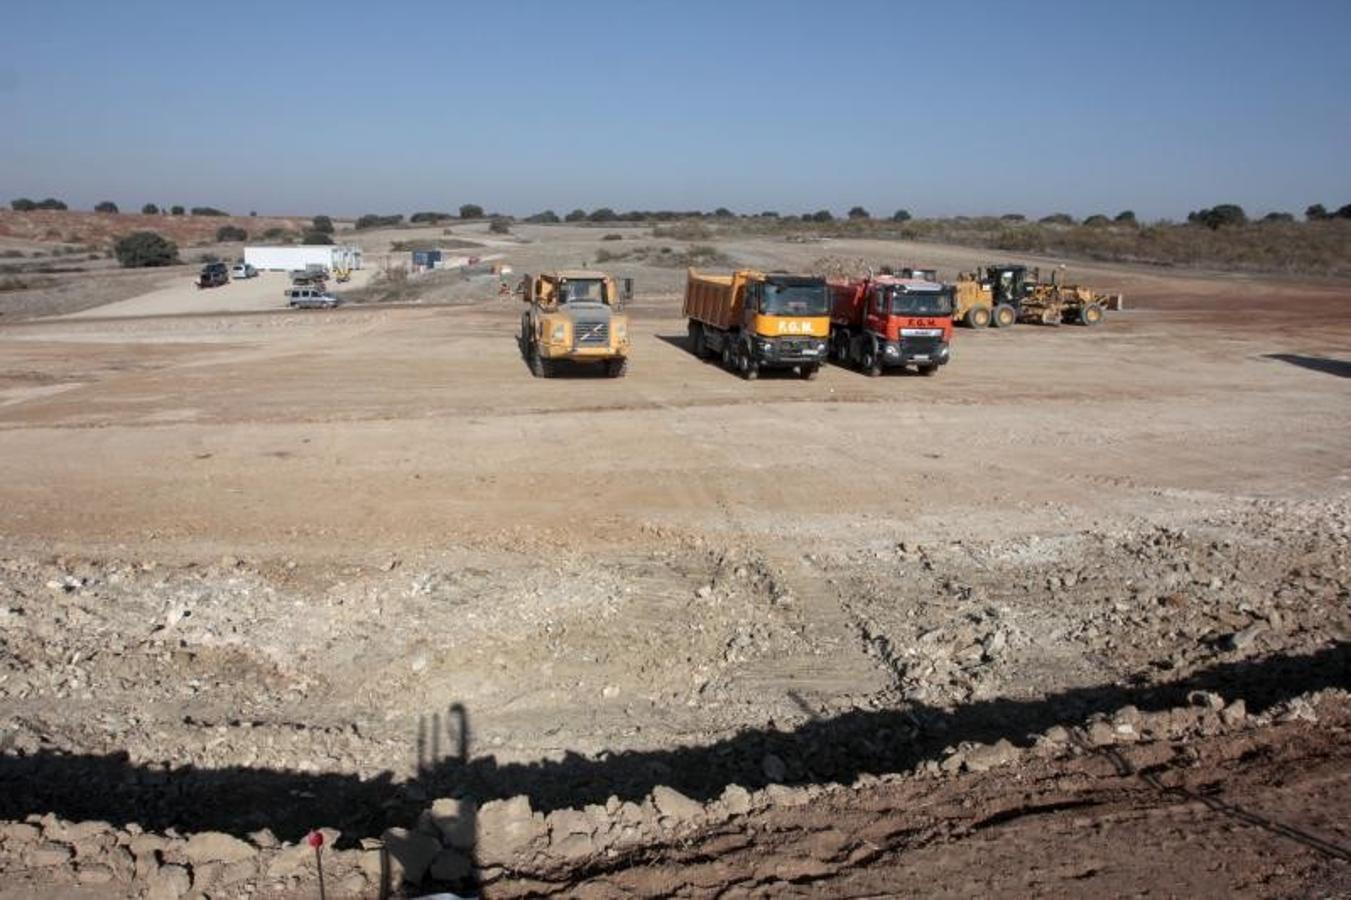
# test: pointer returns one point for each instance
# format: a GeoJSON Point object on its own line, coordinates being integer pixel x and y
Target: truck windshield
{"type": "Point", "coordinates": [589, 290]}
{"type": "Point", "coordinates": [795, 300]}
{"type": "Point", "coordinates": [927, 303]}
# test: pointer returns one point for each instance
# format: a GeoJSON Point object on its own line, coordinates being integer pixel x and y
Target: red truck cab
{"type": "Point", "coordinates": [888, 322]}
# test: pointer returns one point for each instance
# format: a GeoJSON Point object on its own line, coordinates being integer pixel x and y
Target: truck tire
{"type": "Point", "coordinates": [617, 368]}
{"type": "Point", "coordinates": [1003, 316]}
{"type": "Point", "coordinates": [1091, 314]}
{"type": "Point", "coordinates": [839, 348]}
{"type": "Point", "coordinates": [978, 317]}
{"type": "Point", "coordinates": [868, 361]}
{"type": "Point", "coordinates": [748, 367]}
{"type": "Point", "coordinates": [697, 344]}
{"type": "Point", "coordinates": [928, 370]}
{"type": "Point", "coordinates": [728, 360]}
{"type": "Point", "coordinates": [539, 366]}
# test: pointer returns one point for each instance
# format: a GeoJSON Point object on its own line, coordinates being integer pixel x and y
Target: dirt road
{"type": "Point", "coordinates": [275, 542]}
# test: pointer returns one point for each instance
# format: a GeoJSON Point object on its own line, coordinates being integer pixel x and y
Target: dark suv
{"type": "Point", "coordinates": [213, 275]}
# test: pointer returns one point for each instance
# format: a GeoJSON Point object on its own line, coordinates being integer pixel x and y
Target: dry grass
{"type": "Point", "coordinates": [1294, 248]}
{"type": "Point", "coordinates": [705, 255]}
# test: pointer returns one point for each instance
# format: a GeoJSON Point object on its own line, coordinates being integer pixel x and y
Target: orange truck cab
{"type": "Point", "coordinates": [888, 322]}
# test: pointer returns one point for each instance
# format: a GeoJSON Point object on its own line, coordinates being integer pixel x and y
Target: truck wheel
{"type": "Point", "coordinates": [697, 345]}
{"type": "Point", "coordinates": [616, 368]}
{"type": "Point", "coordinates": [1004, 316]}
{"type": "Point", "coordinates": [728, 361]}
{"type": "Point", "coordinates": [539, 366]}
{"type": "Point", "coordinates": [839, 348]}
{"type": "Point", "coordinates": [809, 372]}
{"type": "Point", "coordinates": [928, 370]}
{"type": "Point", "coordinates": [978, 317]}
{"type": "Point", "coordinates": [869, 362]}
{"type": "Point", "coordinates": [749, 368]}
{"type": "Point", "coordinates": [1091, 314]}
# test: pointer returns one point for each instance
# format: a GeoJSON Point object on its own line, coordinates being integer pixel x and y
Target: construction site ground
{"type": "Point", "coordinates": [267, 569]}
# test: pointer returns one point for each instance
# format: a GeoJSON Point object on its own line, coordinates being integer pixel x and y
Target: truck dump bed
{"type": "Point", "coordinates": [847, 299]}
{"type": "Point", "coordinates": [715, 299]}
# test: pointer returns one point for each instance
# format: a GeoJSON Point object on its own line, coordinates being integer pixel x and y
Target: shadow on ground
{"type": "Point", "coordinates": [1322, 364]}
{"type": "Point", "coordinates": [838, 749]}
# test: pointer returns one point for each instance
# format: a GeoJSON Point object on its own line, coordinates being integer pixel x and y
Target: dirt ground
{"type": "Point", "coordinates": [264, 569]}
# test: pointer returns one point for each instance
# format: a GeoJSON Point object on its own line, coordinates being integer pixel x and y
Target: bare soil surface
{"type": "Point", "coordinates": [287, 570]}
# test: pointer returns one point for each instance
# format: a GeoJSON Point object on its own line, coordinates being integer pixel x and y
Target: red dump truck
{"type": "Point", "coordinates": [755, 320]}
{"type": "Point", "coordinates": [887, 322]}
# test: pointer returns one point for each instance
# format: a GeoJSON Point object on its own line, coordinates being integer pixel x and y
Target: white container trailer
{"type": "Point", "coordinates": [296, 257]}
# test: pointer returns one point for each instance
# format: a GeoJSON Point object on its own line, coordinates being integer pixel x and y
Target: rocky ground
{"type": "Point", "coordinates": [675, 635]}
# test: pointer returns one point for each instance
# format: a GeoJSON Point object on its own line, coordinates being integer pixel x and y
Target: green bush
{"type": "Point", "coordinates": [613, 237]}
{"type": "Point", "coordinates": [821, 215]}
{"type": "Point", "coordinates": [51, 203]}
{"type": "Point", "coordinates": [316, 237]}
{"type": "Point", "coordinates": [429, 218]}
{"type": "Point", "coordinates": [500, 226]}
{"type": "Point", "coordinates": [769, 214]}
{"type": "Point", "coordinates": [107, 206]}
{"type": "Point", "coordinates": [1278, 217]}
{"type": "Point", "coordinates": [208, 211]}
{"type": "Point", "coordinates": [1057, 219]}
{"type": "Point", "coordinates": [1125, 217]}
{"type": "Point", "coordinates": [604, 214]}
{"type": "Point", "coordinates": [859, 212]}
{"type": "Point", "coordinates": [723, 212]}
{"type": "Point", "coordinates": [150, 209]}
{"type": "Point", "coordinates": [145, 249]}
{"type": "Point", "coordinates": [1097, 221]}
{"type": "Point", "coordinates": [1317, 213]}
{"type": "Point", "coordinates": [23, 204]}
{"type": "Point", "coordinates": [227, 233]}
{"type": "Point", "coordinates": [371, 220]}
{"type": "Point", "coordinates": [901, 215]}
{"type": "Point", "coordinates": [1219, 216]}
{"type": "Point", "coordinates": [1343, 212]}
{"type": "Point", "coordinates": [176, 210]}
{"type": "Point", "coordinates": [471, 211]}
{"type": "Point", "coordinates": [577, 215]}
{"type": "Point", "coordinates": [322, 224]}
{"type": "Point", "coordinates": [548, 217]}
{"type": "Point", "coordinates": [1013, 217]}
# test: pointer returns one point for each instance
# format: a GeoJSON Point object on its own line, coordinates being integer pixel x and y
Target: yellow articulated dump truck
{"type": "Point", "coordinates": [755, 321]}
{"type": "Point", "coordinates": [573, 316]}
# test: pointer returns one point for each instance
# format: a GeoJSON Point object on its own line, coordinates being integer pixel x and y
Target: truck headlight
{"type": "Point", "coordinates": [766, 346]}
{"type": "Point", "coordinates": [560, 331]}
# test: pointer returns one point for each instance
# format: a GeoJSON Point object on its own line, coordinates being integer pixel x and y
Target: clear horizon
{"type": "Point", "coordinates": [982, 109]}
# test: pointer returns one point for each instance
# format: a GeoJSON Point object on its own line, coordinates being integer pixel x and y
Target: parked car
{"type": "Point", "coordinates": [213, 275]}
{"type": "Point", "coordinates": [310, 298]}
{"type": "Point", "coordinates": [243, 270]}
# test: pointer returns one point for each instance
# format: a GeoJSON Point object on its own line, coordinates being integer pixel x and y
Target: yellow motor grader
{"type": "Point", "coordinates": [1005, 294]}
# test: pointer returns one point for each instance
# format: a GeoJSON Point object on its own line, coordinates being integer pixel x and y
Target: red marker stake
{"type": "Point", "coordinates": [316, 840]}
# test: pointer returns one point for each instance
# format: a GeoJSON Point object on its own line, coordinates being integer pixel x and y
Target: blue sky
{"type": "Point", "coordinates": [941, 108]}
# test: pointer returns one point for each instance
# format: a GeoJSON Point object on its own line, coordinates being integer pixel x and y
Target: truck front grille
{"type": "Point", "coordinates": [591, 334]}
{"type": "Point", "coordinates": [920, 345]}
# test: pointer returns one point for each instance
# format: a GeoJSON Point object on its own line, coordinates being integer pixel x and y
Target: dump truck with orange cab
{"type": "Point", "coordinates": [754, 320]}
{"type": "Point", "coordinates": [886, 322]}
